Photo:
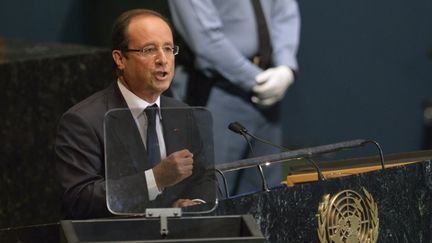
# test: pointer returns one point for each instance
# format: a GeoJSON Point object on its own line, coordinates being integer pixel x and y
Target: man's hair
{"type": "Point", "coordinates": [119, 35]}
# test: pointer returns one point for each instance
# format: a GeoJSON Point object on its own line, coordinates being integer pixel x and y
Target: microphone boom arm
{"type": "Point", "coordinates": [295, 154]}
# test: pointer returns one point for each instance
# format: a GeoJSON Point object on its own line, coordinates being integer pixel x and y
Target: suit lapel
{"type": "Point", "coordinates": [175, 132]}
{"type": "Point", "coordinates": [123, 125]}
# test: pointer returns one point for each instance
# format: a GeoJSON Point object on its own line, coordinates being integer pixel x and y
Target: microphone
{"type": "Point", "coordinates": [239, 128]}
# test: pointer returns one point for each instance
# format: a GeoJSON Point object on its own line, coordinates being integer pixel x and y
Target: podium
{"type": "Point", "coordinates": [235, 228]}
{"type": "Point", "coordinates": [402, 193]}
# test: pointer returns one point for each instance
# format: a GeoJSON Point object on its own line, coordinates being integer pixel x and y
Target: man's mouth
{"type": "Point", "coordinates": [161, 75]}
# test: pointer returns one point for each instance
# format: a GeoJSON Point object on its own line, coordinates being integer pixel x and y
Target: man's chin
{"type": "Point", "coordinates": [162, 88]}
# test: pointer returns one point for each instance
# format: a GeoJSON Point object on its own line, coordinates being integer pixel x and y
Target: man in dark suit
{"type": "Point", "coordinates": [143, 52]}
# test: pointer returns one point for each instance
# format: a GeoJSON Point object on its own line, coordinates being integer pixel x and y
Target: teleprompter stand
{"type": "Point", "coordinates": [163, 225]}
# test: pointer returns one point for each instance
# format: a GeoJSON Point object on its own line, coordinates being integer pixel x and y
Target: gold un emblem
{"type": "Point", "coordinates": [348, 217]}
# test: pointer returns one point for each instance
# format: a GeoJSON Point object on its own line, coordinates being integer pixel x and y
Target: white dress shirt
{"type": "Point", "coordinates": [137, 106]}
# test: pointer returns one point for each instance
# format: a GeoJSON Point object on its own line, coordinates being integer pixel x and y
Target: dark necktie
{"type": "Point", "coordinates": [153, 152]}
{"type": "Point", "coordinates": [265, 48]}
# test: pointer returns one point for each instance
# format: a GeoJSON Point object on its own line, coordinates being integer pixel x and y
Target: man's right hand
{"type": "Point", "coordinates": [271, 85]}
{"type": "Point", "coordinates": [174, 168]}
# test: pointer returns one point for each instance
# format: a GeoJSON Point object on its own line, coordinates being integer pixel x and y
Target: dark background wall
{"type": "Point", "coordinates": [366, 70]}
{"type": "Point", "coordinates": [365, 66]}
{"type": "Point", "coordinates": [67, 21]}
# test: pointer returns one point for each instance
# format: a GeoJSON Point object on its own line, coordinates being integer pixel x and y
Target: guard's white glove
{"type": "Point", "coordinates": [271, 85]}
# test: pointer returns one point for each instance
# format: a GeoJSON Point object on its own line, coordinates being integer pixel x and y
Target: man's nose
{"type": "Point", "coordinates": [161, 57]}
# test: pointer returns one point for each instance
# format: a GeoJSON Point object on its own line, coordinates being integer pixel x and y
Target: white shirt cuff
{"type": "Point", "coordinates": [153, 190]}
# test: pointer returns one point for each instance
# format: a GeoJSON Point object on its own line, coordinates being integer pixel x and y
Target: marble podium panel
{"type": "Point", "coordinates": [39, 81]}
{"type": "Point", "coordinates": [289, 214]}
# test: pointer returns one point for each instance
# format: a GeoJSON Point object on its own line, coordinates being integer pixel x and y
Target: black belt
{"type": "Point", "coordinates": [199, 87]}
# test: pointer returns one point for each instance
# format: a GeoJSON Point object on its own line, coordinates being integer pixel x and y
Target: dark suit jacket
{"type": "Point", "coordinates": [81, 157]}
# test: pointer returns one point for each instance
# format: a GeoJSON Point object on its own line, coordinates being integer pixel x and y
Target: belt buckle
{"type": "Point", "coordinates": [256, 60]}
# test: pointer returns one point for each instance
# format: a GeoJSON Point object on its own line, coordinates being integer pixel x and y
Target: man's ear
{"type": "Point", "coordinates": [118, 59]}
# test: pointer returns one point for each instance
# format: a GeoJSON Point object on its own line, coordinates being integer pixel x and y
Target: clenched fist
{"type": "Point", "coordinates": [174, 168]}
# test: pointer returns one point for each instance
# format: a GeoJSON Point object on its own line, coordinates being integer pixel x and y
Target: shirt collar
{"type": "Point", "coordinates": [135, 103]}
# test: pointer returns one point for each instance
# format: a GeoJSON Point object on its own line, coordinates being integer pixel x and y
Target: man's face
{"type": "Point", "coordinates": [147, 75]}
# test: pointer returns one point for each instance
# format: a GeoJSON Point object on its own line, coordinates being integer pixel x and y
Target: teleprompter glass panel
{"type": "Point", "coordinates": [185, 175]}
